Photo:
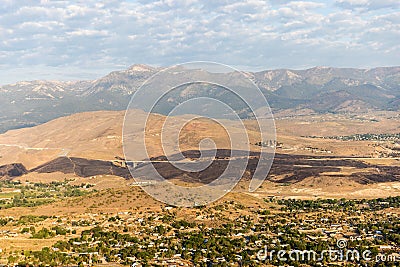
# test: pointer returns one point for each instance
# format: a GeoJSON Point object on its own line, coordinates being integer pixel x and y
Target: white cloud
{"type": "Point", "coordinates": [369, 4]}
{"type": "Point", "coordinates": [104, 35]}
{"type": "Point", "coordinates": [84, 32]}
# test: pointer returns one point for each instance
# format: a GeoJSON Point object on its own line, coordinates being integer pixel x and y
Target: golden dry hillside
{"type": "Point", "coordinates": [98, 135]}
{"type": "Point", "coordinates": [312, 157]}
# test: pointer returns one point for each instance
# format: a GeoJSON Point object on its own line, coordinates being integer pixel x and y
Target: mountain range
{"type": "Point", "coordinates": [314, 90]}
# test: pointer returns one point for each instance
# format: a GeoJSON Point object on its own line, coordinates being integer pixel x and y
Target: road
{"type": "Point", "coordinates": [64, 151]}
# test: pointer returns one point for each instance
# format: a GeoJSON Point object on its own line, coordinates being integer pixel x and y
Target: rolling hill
{"type": "Point", "coordinates": [89, 144]}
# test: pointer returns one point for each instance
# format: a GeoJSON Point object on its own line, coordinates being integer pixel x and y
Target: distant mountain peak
{"type": "Point", "coordinates": [140, 68]}
{"type": "Point", "coordinates": [321, 67]}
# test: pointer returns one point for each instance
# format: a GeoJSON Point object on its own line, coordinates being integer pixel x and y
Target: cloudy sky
{"type": "Point", "coordinates": [85, 39]}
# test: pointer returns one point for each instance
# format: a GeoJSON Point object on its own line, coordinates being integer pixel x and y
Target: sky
{"type": "Point", "coordinates": [71, 40]}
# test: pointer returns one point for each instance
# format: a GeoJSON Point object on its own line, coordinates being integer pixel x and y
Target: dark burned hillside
{"type": "Point", "coordinates": [82, 167]}
{"type": "Point", "coordinates": [78, 166]}
{"type": "Point", "coordinates": [285, 169]}
{"type": "Point", "coordinates": [12, 170]}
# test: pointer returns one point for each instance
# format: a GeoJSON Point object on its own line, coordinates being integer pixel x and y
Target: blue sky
{"type": "Point", "coordinates": [71, 40]}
